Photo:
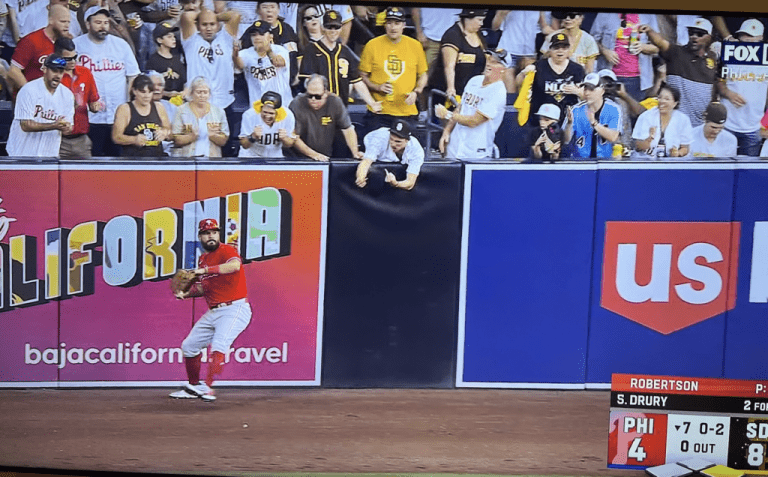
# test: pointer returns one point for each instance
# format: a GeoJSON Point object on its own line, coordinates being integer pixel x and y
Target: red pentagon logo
{"type": "Point", "coordinates": [668, 276]}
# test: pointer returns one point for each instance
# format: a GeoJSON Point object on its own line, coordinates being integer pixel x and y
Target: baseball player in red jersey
{"type": "Point", "coordinates": [222, 283]}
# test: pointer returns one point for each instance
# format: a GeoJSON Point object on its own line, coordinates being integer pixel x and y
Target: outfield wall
{"type": "Point", "coordinates": [493, 274]}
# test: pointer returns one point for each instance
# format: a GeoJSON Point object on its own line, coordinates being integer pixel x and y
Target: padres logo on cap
{"type": "Point", "coordinates": [332, 15]}
{"type": "Point", "coordinates": [559, 37]}
{"type": "Point", "coordinates": [167, 25]}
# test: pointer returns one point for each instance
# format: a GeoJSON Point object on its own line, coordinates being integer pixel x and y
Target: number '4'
{"type": "Point", "coordinates": [636, 451]}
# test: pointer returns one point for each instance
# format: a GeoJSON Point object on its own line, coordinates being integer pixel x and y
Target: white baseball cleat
{"type": "Point", "coordinates": [191, 391]}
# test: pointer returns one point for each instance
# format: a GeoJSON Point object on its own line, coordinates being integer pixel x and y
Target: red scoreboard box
{"type": "Point", "coordinates": [657, 420]}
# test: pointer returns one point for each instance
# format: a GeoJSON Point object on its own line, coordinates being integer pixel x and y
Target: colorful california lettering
{"type": "Point", "coordinates": [131, 250]}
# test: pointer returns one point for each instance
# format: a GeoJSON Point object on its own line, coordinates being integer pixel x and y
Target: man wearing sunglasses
{"type": "Point", "coordinates": [79, 80]}
{"type": "Point", "coordinates": [330, 58]}
{"type": "Point", "coordinates": [319, 114]}
{"type": "Point", "coordinates": [43, 112]}
{"type": "Point", "coordinates": [692, 68]}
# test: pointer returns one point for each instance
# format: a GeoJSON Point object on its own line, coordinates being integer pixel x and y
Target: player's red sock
{"type": "Point", "coordinates": [193, 368]}
{"type": "Point", "coordinates": [215, 366]}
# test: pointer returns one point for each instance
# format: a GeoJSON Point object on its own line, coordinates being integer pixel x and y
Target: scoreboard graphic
{"type": "Point", "coordinates": [657, 420]}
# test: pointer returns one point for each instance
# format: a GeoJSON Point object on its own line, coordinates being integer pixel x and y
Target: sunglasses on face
{"type": "Point", "coordinates": [332, 27]}
{"type": "Point", "coordinates": [309, 18]}
{"type": "Point", "coordinates": [315, 96]}
{"type": "Point", "coordinates": [571, 16]}
{"type": "Point", "coordinates": [69, 58]}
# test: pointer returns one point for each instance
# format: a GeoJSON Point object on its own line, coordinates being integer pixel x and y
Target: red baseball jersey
{"type": "Point", "coordinates": [31, 52]}
{"type": "Point", "coordinates": [222, 288]}
{"type": "Point", "coordinates": [83, 86]}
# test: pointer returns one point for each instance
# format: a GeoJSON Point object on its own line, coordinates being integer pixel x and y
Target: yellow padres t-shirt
{"type": "Point", "coordinates": [400, 64]}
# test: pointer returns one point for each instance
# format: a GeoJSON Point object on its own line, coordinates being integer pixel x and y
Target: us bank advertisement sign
{"type": "Point", "coordinates": [664, 272]}
{"type": "Point", "coordinates": [87, 253]}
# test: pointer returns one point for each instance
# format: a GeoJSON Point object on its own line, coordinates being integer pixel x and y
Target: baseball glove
{"type": "Point", "coordinates": [182, 281]}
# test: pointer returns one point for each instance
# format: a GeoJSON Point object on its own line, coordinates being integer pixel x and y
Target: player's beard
{"type": "Point", "coordinates": [210, 248]}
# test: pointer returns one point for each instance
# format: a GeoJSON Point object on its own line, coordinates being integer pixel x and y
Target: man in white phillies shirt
{"type": "Point", "coordinates": [266, 66]}
{"type": "Point", "coordinates": [266, 128]}
{"type": "Point", "coordinates": [44, 111]}
{"type": "Point", "coordinates": [471, 131]}
{"type": "Point", "coordinates": [208, 49]}
{"type": "Point", "coordinates": [710, 140]}
{"type": "Point", "coordinates": [113, 66]}
{"type": "Point", "coordinates": [394, 144]}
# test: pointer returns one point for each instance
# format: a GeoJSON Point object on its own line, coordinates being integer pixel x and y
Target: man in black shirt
{"type": "Point", "coordinates": [692, 68]}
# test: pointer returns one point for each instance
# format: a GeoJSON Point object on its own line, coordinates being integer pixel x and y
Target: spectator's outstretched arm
{"type": "Point", "coordinates": [407, 184]}
{"type": "Point", "coordinates": [187, 24]}
{"type": "Point", "coordinates": [635, 108]}
{"type": "Point", "coordinates": [350, 137]}
{"type": "Point", "coordinates": [498, 19]}
{"type": "Point", "coordinates": [302, 147]}
{"type": "Point", "coordinates": [17, 78]}
{"type": "Point", "coordinates": [655, 37]}
{"type": "Point", "coordinates": [720, 26]}
{"type": "Point", "coordinates": [450, 55]}
{"type": "Point", "coordinates": [416, 16]}
{"type": "Point", "coordinates": [361, 174]}
{"type": "Point", "coordinates": [722, 89]}
{"type": "Point", "coordinates": [365, 94]}
{"type": "Point", "coordinates": [231, 21]}
{"type": "Point", "coordinates": [346, 30]}
{"type": "Point", "coordinates": [13, 24]}
{"type": "Point", "coordinates": [470, 121]}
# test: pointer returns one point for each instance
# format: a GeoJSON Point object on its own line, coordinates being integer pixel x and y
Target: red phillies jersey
{"type": "Point", "coordinates": [222, 288]}
{"type": "Point", "coordinates": [31, 52]}
{"type": "Point", "coordinates": [83, 86]}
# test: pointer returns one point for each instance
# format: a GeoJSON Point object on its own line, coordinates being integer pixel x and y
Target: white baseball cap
{"type": "Point", "coordinates": [591, 79]}
{"type": "Point", "coordinates": [607, 73]}
{"type": "Point", "coordinates": [752, 27]}
{"type": "Point", "coordinates": [94, 10]}
{"type": "Point", "coordinates": [702, 24]}
{"type": "Point", "coordinates": [549, 110]}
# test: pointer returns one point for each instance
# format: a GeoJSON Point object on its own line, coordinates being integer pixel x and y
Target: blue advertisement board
{"type": "Point", "coordinates": [573, 272]}
{"type": "Point", "coordinates": [527, 254]}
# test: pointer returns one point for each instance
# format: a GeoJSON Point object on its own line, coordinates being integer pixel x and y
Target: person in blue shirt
{"type": "Point", "coordinates": [593, 125]}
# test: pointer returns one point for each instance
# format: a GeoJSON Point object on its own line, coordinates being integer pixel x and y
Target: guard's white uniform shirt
{"type": "Point", "coordinates": [377, 149]}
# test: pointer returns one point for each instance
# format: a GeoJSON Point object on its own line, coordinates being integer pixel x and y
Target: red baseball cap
{"type": "Point", "coordinates": [207, 224]}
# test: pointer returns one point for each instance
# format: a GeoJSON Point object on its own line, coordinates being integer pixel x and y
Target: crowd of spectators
{"type": "Point", "coordinates": [211, 78]}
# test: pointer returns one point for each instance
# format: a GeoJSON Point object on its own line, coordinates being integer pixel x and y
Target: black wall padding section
{"type": "Point", "coordinates": [392, 281]}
